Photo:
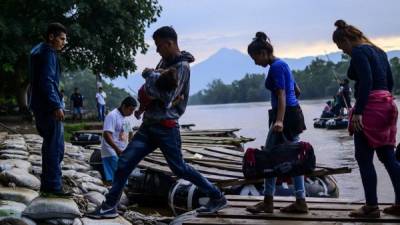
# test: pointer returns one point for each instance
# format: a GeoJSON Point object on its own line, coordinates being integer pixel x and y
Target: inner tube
{"type": "Point", "coordinates": [83, 139]}
{"type": "Point", "coordinates": [322, 187]}
{"type": "Point", "coordinates": [320, 123]}
{"type": "Point", "coordinates": [185, 196]}
{"type": "Point", "coordinates": [334, 124]}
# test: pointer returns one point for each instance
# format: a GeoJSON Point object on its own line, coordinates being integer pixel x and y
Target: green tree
{"type": "Point", "coordinates": [395, 65]}
{"type": "Point", "coordinates": [103, 35]}
{"type": "Point", "coordinates": [317, 80]}
{"type": "Point", "coordinates": [71, 80]}
{"type": "Point", "coordinates": [249, 89]}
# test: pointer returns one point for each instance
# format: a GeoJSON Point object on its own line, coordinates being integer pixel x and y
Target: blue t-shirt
{"type": "Point", "coordinates": [280, 77]}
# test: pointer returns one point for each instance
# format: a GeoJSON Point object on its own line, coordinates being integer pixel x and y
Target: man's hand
{"type": "Point", "coordinates": [278, 126]}
{"type": "Point", "coordinates": [58, 114]}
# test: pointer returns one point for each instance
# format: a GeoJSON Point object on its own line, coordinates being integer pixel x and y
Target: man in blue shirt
{"type": "Point", "coordinates": [46, 104]}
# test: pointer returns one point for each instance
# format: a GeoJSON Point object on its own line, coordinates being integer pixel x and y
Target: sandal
{"type": "Point", "coordinates": [392, 210]}
{"type": "Point", "coordinates": [366, 211]}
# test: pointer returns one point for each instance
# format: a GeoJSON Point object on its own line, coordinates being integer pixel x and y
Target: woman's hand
{"type": "Point", "coordinates": [278, 126]}
{"type": "Point", "coordinates": [357, 122]}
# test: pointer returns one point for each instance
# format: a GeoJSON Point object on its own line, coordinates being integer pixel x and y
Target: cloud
{"type": "Point", "coordinates": [296, 28]}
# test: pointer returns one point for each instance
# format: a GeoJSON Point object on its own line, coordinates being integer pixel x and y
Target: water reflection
{"type": "Point", "coordinates": [332, 147]}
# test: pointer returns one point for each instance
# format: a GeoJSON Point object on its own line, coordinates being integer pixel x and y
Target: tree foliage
{"type": "Point", "coordinates": [317, 80]}
{"type": "Point", "coordinates": [88, 90]}
{"type": "Point", "coordinates": [249, 89]}
{"type": "Point", "coordinates": [103, 35]}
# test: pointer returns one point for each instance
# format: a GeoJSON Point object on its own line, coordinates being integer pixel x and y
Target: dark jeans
{"type": "Point", "coordinates": [52, 132]}
{"type": "Point", "coordinates": [364, 156]}
{"type": "Point", "coordinates": [145, 141]}
{"type": "Point", "coordinates": [101, 111]}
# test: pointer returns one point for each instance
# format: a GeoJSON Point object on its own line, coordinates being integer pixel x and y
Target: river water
{"type": "Point", "coordinates": [332, 147]}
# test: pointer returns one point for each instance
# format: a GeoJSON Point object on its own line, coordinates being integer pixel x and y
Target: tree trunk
{"type": "Point", "coordinates": [22, 84]}
{"type": "Point", "coordinates": [22, 97]}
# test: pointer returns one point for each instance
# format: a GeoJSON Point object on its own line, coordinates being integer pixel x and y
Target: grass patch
{"type": "Point", "coordinates": [69, 129]}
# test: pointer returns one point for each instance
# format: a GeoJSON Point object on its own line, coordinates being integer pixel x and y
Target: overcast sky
{"type": "Point", "coordinates": [296, 27]}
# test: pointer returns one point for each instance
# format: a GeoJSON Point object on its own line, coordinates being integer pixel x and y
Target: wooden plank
{"type": "Point", "coordinates": [226, 221]}
{"type": "Point", "coordinates": [226, 151]}
{"type": "Point", "coordinates": [166, 170]}
{"type": "Point", "coordinates": [189, 156]}
{"type": "Point", "coordinates": [211, 133]}
{"type": "Point", "coordinates": [202, 169]}
{"type": "Point", "coordinates": [311, 205]}
{"type": "Point", "coordinates": [291, 199]}
{"type": "Point", "coordinates": [214, 130]}
{"type": "Point", "coordinates": [232, 167]}
{"type": "Point", "coordinates": [286, 199]}
{"type": "Point", "coordinates": [202, 145]}
{"type": "Point", "coordinates": [238, 139]}
{"type": "Point", "coordinates": [314, 215]}
{"type": "Point", "coordinates": [213, 154]}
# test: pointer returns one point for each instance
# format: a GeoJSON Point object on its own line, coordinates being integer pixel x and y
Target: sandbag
{"type": "Point", "coordinates": [95, 197]}
{"type": "Point", "coordinates": [13, 145]}
{"type": "Point", "coordinates": [76, 166]}
{"type": "Point", "coordinates": [11, 208]}
{"type": "Point", "coordinates": [14, 221]}
{"type": "Point", "coordinates": [36, 170]}
{"type": "Point", "coordinates": [48, 208]}
{"type": "Point", "coordinates": [17, 163]}
{"type": "Point", "coordinates": [87, 186]}
{"type": "Point", "coordinates": [13, 156]}
{"type": "Point", "coordinates": [35, 158]}
{"type": "Point", "coordinates": [18, 194]}
{"type": "Point", "coordinates": [83, 177]}
{"type": "Point", "coordinates": [14, 152]}
{"type": "Point", "coordinates": [28, 221]}
{"type": "Point", "coordinates": [21, 178]}
{"type": "Point", "coordinates": [60, 221]}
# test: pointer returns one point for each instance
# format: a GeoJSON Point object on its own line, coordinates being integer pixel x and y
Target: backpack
{"type": "Point", "coordinates": [276, 160]}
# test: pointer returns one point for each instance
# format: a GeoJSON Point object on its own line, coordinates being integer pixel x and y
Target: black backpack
{"type": "Point", "coordinates": [276, 160]}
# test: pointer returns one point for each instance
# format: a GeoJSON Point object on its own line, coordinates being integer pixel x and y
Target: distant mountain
{"type": "Point", "coordinates": [229, 65]}
{"type": "Point", "coordinates": [226, 64]}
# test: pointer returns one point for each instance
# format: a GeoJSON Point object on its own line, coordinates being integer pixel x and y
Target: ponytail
{"type": "Point", "coordinates": [260, 42]}
{"type": "Point", "coordinates": [345, 31]}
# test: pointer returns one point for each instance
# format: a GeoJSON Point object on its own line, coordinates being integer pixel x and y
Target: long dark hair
{"type": "Point", "coordinates": [260, 43]}
{"type": "Point", "coordinates": [345, 31]}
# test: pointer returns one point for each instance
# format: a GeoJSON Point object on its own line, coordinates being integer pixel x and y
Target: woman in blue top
{"type": "Point", "coordinates": [374, 116]}
{"type": "Point", "coordinates": [285, 116]}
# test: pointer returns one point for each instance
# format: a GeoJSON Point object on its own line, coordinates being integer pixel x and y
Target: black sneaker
{"type": "Point", "coordinates": [103, 212]}
{"type": "Point", "coordinates": [58, 194]}
{"type": "Point", "coordinates": [213, 206]}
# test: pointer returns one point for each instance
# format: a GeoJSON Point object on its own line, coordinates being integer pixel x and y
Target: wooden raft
{"type": "Point", "coordinates": [216, 154]}
{"type": "Point", "coordinates": [323, 211]}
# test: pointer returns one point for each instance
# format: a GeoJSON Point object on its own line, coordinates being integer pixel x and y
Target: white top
{"type": "Point", "coordinates": [101, 98]}
{"type": "Point", "coordinates": [120, 127]}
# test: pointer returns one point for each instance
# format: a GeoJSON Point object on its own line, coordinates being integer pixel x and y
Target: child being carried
{"type": "Point", "coordinates": [166, 81]}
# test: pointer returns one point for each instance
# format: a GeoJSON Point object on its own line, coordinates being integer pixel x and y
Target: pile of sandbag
{"type": "Point", "coordinates": [20, 170]}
